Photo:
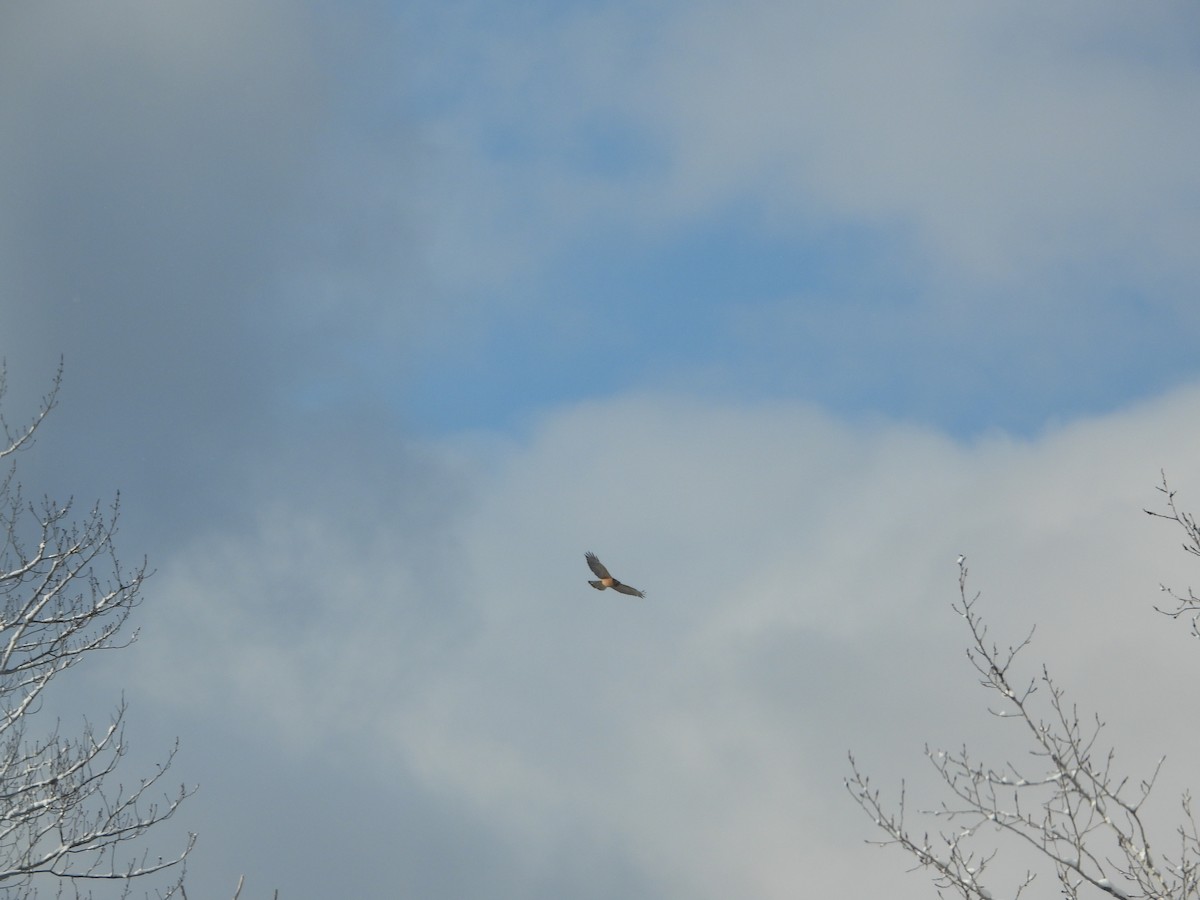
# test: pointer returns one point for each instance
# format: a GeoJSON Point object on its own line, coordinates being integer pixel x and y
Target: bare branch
{"type": "Point", "coordinates": [20, 438]}
{"type": "Point", "coordinates": [63, 594]}
{"type": "Point", "coordinates": [1071, 808]}
{"type": "Point", "coordinates": [1187, 603]}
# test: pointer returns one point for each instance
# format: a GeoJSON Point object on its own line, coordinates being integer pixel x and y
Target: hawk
{"type": "Point", "coordinates": [606, 580]}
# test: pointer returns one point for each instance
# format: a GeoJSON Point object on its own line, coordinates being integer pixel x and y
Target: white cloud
{"type": "Point", "coordinates": [1000, 146]}
{"type": "Point", "coordinates": [1004, 139]}
{"type": "Point", "coordinates": [799, 571]}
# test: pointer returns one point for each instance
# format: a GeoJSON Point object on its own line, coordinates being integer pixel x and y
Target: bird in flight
{"type": "Point", "coordinates": [606, 580]}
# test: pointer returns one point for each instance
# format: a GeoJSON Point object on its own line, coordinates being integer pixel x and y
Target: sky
{"type": "Point", "coordinates": [380, 315]}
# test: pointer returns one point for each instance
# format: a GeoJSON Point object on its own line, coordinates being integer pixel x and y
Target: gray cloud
{"type": "Point", "coordinates": [169, 184]}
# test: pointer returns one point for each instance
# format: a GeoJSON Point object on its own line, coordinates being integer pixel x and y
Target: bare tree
{"type": "Point", "coordinates": [1071, 808]}
{"type": "Point", "coordinates": [64, 825]}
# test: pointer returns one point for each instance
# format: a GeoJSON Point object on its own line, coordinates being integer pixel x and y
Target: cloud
{"type": "Point", "coordinates": [799, 572]}
{"type": "Point", "coordinates": [1002, 146]}
{"type": "Point", "coordinates": [184, 226]}
{"type": "Point", "coordinates": [971, 216]}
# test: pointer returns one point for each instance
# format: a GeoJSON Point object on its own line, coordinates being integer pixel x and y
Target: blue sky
{"type": "Point", "coordinates": [379, 316]}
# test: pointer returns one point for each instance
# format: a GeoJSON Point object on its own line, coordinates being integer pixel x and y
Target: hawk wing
{"type": "Point", "coordinates": [596, 566]}
{"type": "Point", "coordinates": [626, 589]}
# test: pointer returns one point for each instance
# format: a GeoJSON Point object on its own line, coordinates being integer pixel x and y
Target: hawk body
{"type": "Point", "coordinates": [606, 579]}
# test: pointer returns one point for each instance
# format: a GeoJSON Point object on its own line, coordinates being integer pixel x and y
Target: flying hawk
{"type": "Point", "coordinates": [606, 580]}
